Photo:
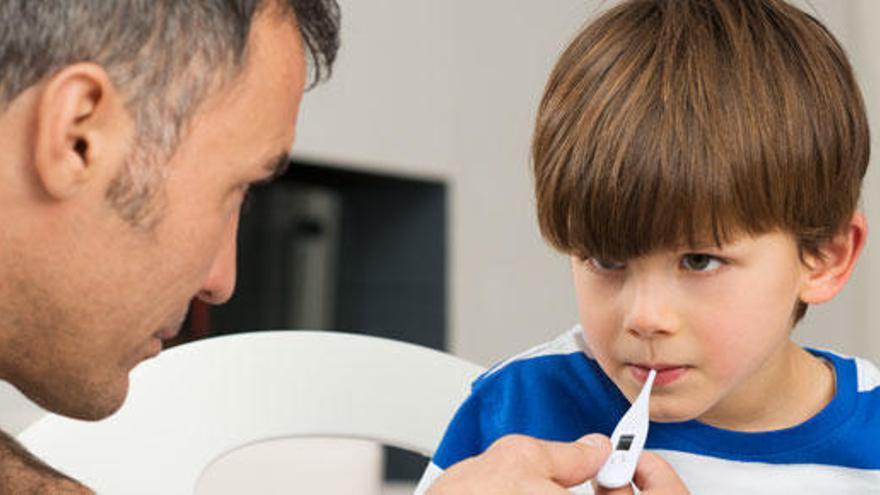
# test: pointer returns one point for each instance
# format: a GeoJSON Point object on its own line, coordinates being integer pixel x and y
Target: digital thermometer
{"type": "Point", "coordinates": [628, 440]}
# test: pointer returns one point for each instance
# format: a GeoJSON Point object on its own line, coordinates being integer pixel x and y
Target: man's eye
{"type": "Point", "coordinates": [605, 265]}
{"type": "Point", "coordinates": [701, 262]}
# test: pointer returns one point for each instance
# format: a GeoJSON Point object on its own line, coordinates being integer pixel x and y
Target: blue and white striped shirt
{"type": "Point", "coordinates": [557, 391]}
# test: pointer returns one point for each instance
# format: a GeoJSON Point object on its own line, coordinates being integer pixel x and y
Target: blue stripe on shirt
{"type": "Point", "coordinates": [565, 396]}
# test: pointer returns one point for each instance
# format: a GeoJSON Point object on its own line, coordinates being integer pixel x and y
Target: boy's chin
{"type": "Point", "coordinates": [673, 413]}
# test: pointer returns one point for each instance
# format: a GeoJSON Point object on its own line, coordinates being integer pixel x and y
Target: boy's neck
{"type": "Point", "coordinates": [791, 390]}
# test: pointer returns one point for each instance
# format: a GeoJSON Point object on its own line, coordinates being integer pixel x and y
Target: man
{"type": "Point", "coordinates": [130, 132]}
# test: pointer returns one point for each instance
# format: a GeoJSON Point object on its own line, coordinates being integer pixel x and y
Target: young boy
{"type": "Point", "coordinates": [700, 161]}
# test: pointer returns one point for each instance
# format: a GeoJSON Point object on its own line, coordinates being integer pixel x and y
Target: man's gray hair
{"type": "Point", "coordinates": [163, 55]}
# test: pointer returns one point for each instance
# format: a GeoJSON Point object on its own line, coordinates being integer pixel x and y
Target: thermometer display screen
{"type": "Point", "coordinates": [625, 442]}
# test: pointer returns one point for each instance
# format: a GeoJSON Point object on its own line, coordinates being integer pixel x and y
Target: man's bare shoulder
{"type": "Point", "coordinates": [22, 472]}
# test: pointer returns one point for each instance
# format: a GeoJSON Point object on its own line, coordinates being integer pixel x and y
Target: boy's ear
{"type": "Point", "coordinates": [80, 131]}
{"type": "Point", "coordinates": [826, 275]}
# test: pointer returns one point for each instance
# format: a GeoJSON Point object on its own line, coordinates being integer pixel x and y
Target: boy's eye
{"type": "Point", "coordinates": [701, 262]}
{"type": "Point", "coordinates": [605, 265]}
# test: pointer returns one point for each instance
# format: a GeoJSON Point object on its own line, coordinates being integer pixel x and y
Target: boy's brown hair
{"type": "Point", "coordinates": [685, 121]}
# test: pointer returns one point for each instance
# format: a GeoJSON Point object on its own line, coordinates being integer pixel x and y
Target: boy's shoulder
{"type": "Point", "coordinates": [565, 358]}
{"type": "Point", "coordinates": [556, 383]}
{"type": "Point", "coordinates": [554, 391]}
{"type": "Point", "coordinates": [865, 374]}
{"type": "Point", "coordinates": [569, 343]}
{"type": "Point", "coordinates": [868, 375]}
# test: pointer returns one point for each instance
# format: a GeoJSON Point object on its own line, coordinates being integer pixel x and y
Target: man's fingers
{"type": "Point", "coordinates": [601, 490]}
{"type": "Point", "coordinates": [574, 463]}
{"type": "Point", "coordinates": [594, 451]}
{"type": "Point", "coordinates": [517, 464]}
{"type": "Point", "coordinates": [654, 476]}
{"type": "Point", "coordinates": [566, 463]}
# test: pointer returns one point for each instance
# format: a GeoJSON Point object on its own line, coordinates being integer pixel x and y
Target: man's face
{"type": "Point", "coordinates": [94, 295]}
{"type": "Point", "coordinates": [714, 322]}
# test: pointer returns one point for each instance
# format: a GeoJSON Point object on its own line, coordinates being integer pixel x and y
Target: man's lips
{"type": "Point", "coordinates": [171, 330]}
{"type": "Point", "coordinates": [167, 333]}
{"type": "Point", "coordinates": [666, 373]}
{"type": "Point", "coordinates": [158, 339]}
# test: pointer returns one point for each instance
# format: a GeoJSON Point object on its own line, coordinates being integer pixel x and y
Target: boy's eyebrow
{"type": "Point", "coordinates": [710, 245]}
{"type": "Point", "coordinates": [277, 166]}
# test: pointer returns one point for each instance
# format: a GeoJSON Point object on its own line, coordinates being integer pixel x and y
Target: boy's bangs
{"type": "Point", "coordinates": [656, 196]}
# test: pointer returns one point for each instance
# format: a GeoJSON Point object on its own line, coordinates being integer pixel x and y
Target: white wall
{"type": "Point", "coordinates": [510, 290]}
{"type": "Point", "coordinates": [449, 89]}
{"type": "Point", "coordinates": [847, 323]}
{"type": "Point", "coordinates": [389, 104]}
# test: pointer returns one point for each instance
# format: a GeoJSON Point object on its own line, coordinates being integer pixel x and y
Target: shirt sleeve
{"type": "Point", "coordinates": [464, 438]}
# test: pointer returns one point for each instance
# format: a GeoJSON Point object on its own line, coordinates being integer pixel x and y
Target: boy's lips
{"type": "Point", "coordinates": [666, 373]}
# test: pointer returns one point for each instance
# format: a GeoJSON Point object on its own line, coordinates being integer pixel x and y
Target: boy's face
{"type": "Point", "coordinates": [715, 323]}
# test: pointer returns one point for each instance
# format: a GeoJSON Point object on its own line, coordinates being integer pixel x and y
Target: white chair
{"type": "Point", "coordinates": [198, 401]}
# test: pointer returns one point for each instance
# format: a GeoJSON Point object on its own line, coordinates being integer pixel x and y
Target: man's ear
{"type": "Point", "coordinates": [826, 275]}
{"type": "Point", "coordinates": [82, 130]}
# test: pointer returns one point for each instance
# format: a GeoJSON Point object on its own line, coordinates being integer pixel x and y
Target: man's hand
{"type": "Point", "coordinates": [522, 465]}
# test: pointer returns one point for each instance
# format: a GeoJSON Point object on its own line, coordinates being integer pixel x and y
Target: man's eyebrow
{"type": "Point", "coordinates": [277, 166]}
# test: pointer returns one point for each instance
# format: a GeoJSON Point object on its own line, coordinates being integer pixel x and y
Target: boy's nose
{"type": "Point", "coordinates": [219, 284]}
{"type": "Point", "coordinates": [650, 311]}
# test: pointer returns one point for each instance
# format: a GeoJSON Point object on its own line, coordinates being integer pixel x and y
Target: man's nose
{"type": "Point", "coordinates": [219, 285]}
{"type": "Point", "coordinates": [651, 312]}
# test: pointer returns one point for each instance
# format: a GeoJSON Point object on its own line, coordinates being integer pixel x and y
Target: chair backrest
{"type": "Point", "coordinates": [198, 401]}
